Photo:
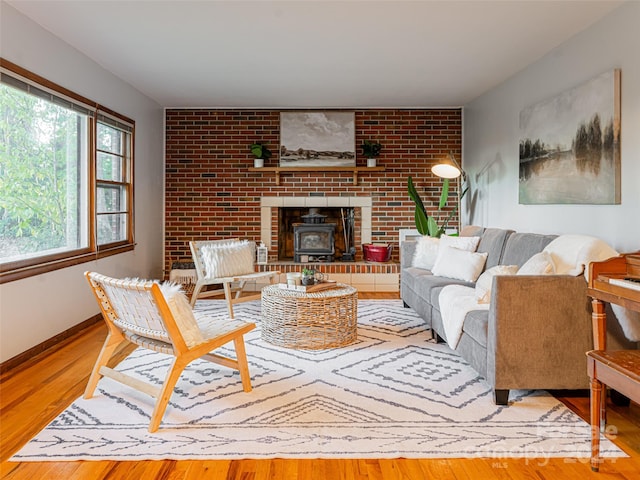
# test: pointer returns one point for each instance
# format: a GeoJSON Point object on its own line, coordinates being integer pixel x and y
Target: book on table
{"type": "Point", "coordinates": [318, 287]}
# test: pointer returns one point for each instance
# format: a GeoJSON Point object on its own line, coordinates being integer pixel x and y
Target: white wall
{"type": "Point", "coordinates": [491, 136]}
{"type": "Point", "coordinates": [35, 309]}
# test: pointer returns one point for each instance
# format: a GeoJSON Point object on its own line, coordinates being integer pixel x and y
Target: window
{"type": "Point", "coordinates": [66, 185]}
{"type": "Point", "coordinates": [112, 182]}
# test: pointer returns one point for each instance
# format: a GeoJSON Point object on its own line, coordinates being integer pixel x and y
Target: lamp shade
{"type": "Point", "coordinates": [447, 168]}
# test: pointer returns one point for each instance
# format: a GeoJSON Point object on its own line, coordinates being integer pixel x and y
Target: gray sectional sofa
{"type": "Point", "coordinates": [537, 328]}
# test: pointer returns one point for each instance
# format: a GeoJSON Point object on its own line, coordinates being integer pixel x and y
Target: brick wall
{"type": "Point", "coordinates": [210, 194]}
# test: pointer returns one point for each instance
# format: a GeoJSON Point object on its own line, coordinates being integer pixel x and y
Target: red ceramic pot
{"type": "Point", "coordinates": [377, 252]}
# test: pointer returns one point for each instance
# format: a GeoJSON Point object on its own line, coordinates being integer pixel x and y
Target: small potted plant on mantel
{"type": "Point", "coordinates": [371, 149]}
{"type": "Point", "coordinates": [261, 152]}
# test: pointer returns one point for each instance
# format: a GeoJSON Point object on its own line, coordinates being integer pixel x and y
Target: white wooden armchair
{"type": "Point", "coordinates": [229, 263]}
{"type": "Point", "coordinates": [159, 317]}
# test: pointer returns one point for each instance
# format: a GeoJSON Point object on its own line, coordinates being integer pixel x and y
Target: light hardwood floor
{"type": "Point", "coordinates": [32, 394]}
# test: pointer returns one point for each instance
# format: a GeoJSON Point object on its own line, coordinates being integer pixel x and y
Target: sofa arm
{"type": "Point", "coordinates": [538, 333]}
{"type": "Point", "coordinates": [407, 251]}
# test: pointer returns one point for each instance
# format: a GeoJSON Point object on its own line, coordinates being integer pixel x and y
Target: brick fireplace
{"type": "Point", "coordinates": [212, 191]}
{"type": "Point", "coordinates": [269, 223]}
{"type": "Point", "coordinates": [366, 277]}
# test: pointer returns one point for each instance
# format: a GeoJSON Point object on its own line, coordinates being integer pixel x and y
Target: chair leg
{"type": "Point", "coordinates": [243, 364]}
{"type": "Point", "coordinates": [111, 343]}
{"type": "Point", "coordinates": [596, 414]}
{"type": "Point", "coordinates": [177, 366]}
{"type": "Point", "coordinates": [196, 292]}
{"type": "Point", "coordinates": [228, 297]}
{"type": "Point", "coordinates": [241, 285]}
{"type": "Point", "coordinates": [602, 401]}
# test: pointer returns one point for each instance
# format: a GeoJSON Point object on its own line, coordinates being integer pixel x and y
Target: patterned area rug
{"type": "Point", "coordinates": [392, 394]}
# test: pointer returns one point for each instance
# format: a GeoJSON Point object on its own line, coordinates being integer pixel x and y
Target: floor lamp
{"type": "Point", "coordinates": [449, 168]}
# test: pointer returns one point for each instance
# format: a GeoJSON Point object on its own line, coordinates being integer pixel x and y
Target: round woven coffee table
{"type": "Point", "coordinates": [325, 319]}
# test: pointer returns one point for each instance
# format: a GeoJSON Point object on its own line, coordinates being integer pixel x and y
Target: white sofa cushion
{"type": "Point", "coordinates": [485, 281]}
{"type": "Point", "coordinates": [539, 264]}
{"type": "Point", "coordinates": [426, 252]}
{"type": "Point", "coordinates": [427, 248]}
{"type": "Point", "coordinates": [459, 264]}
{"type": "Point", "coordinates": [463, 243]}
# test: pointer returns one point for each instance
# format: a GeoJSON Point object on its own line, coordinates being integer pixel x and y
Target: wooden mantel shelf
{"type": "Point", "coordinates": [354, 170]}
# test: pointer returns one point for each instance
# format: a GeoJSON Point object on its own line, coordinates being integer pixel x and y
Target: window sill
{"type": "Point", "coordinates": [52, 265]}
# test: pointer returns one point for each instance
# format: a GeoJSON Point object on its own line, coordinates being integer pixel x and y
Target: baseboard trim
{"type": "Point", "coordinates": [52, 343]}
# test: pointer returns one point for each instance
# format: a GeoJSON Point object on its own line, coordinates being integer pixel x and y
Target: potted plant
{"type": "Point", "coordinates": [425, 224]}
{"type": "Point", "coordinates": [371, 149]}
{"type": "Point", "coordinates": [308, 276]}
{"type": "Point", "coordinates": [261, 152]}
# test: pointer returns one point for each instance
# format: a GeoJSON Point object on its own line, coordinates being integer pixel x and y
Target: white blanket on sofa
{"type": "Point", "coordinates": [455, 302]}
{"type": "Point", "coordinates": [572, 255]}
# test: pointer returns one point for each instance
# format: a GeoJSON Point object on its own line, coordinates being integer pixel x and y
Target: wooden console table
{"type": "Point", "coordinates": [619, 370]}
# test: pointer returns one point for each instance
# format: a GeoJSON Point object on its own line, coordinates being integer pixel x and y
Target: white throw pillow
{"type": "Point", "coordinates": [459, 264]}
{"type": "Point", "coordinates": [182, 314]}
{"type": "Point", "coordinates": [227, 259]}
{"type": "Point", "coordinates": [539, 264]}
{"type": "Point", "coordinates": [426, 252]}
{"type": "Point", "coordinates": [485, 281]}
{"type": "Point", "coordinates": [463, 243]}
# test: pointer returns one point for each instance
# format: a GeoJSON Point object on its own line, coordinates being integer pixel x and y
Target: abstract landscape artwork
{"type": "Point", "coordinates": [317, 139]}
{"type": "Point", "coordinates": [570, 146]}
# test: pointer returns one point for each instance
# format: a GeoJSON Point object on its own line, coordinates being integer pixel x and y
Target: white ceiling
{"type": "Point", "coordinates": [314, 54]}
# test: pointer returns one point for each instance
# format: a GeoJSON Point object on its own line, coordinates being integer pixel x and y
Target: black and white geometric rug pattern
{"type": "Point", "coordinates": [391, 394]}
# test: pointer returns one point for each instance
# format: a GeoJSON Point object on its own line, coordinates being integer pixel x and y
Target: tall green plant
{"type": "Point", "coordinates": [425, 224]}
{"type": "Point", "coordinates": [428, 225]}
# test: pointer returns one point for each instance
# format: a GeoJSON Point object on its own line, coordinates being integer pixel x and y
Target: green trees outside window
{"type": "Point", "coordinates": [66, 184]}
{"type": "Point", "coordinates": [42, 163]}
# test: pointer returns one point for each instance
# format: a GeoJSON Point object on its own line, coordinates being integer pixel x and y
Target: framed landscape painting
{"type": "Point", "coordinates": [570, 146]}
{"type": "Point", "coordinates": [317, 139]}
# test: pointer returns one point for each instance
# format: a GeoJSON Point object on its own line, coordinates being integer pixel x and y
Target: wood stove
{"type": "Point", "coordinates": [313, 240]}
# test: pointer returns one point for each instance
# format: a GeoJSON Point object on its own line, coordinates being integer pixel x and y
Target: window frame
{"type": "Point", "coordinates": [15, 270]}
{"type": "Point", "coordinates": [126, 182]}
